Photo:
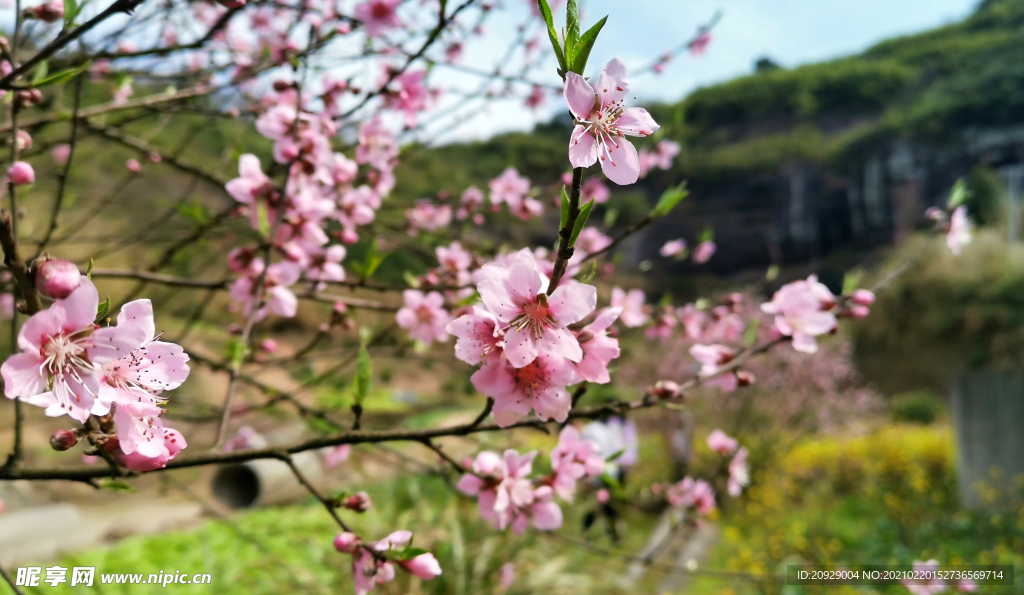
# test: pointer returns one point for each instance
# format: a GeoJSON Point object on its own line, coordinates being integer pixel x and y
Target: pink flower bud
{"type": "Point", "coordinates": [24, 140]}
{"type": "Point", "coordinates": [268, 345]}
{"type": "Point", "coordinates": [863, 297]}
{"type": "Point", "coordinates": [349, 236]}
{"type": "Point", "coordinates": [603, 496]}
{"type": "Point", "coordinates": [61, 153]}
{"type": "Point", "coordinates": [425, 566]}
{"type": "Point", "coordinates": [744, 378]}
{"type": "Point", "coordinates": [935, 214]}
{"type": "Point", "coordinates": [155, 157]}
{"type": "Point", "coordinates": [665, 389]}
{"type": "Point", "coordinates": [21, 173]}
{"type": "Point", "coordinates": [133, 166]}
{"type": "Point", "coordinates": [346, 542]}
{"type": "Point", "coordinates": [49, 12]}
{"type": "Point", "coordinates": [358, 502]}
{"type": "Point", "coordinates": [56, 279]}
{"type": "Point", "coordinates": [62, 440]}
{"type": "Point", "coordinates": [858, 312]}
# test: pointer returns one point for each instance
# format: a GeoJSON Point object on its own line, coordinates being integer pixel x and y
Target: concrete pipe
{"type": "Point", "coordinates": [265, 482]}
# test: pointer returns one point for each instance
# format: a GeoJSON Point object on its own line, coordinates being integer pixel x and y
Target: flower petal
{"type": "Point", "coordinates": [635, 121]}
{"type": "Point", "coordinates": [582, 147]}
{"type": "Point", "coordinates": [623, 166]}
{"type": "Point", "coordinates": [579, 95]}
{"type": "Point", "coordinates": [614, 82]}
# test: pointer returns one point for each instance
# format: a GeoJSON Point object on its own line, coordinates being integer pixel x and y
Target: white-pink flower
{"type": "Point", "coordinates": [704, 251]}
{"type": "Point", "coordinates": [713, 358]}
{"type": "Point", "coordinates": [803, 310]}
{"type": "Point", "coordinates": [424, 316]}
{"type": "Point", "coordinates": [506, 496]}
{"type": "Point", "coordinates": [539, 385]}
{"type": "Point", "coordinates": [959, 234]}
{"type": "Point", "coordinates": [479, 336]}
{"type": "Point", "coordinates": [377, 145]}
{"type": "Point", "coordinates": [599, 348]}
{"type": "Point", "coordinates": [574, 458]}
{"type": "Point", "coordinates": [509, 187]}
{"type": "Point", "coordinates": [603, 120]}
{"type": "Point", "coordinates": [536, 322]}
{"type": "Point", "coordinates": [634, 313]}
{"type": "Point", "coordinates": [61, 352]}
{"type": "Point", "coordinates": [688, 493]}
{"type": "Point", "coordinates": [673, 248]}
{"type": "Point", "coordinates": [739, 475]}
{"type": "Point", "coordinates": [721, 443]}
{"type": "Point", "coordinates": [377, 15]}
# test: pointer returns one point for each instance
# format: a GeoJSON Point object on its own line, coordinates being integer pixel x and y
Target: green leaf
{"type": "Point", "coordinates": [364, 374]}
{"type": "Point", "coordinates": [236, 352]}
{"type": "Point", "coordinates": [407, 553]}
{"type": "Point", "coordinates": [581, 221]}
{"type": "Point", "coordinates": [772, 273]}
{"type": "Point", "coordinates": [591, 273]}
{"type": "Point", "coordinates": [615, 456]}
{"type": "Point", "coordinates": [959, 194]}
{"type": "Point", "coordinates": [117, 486]}
{"type": "Point", "coordinates": [545, 11]}
{"type": "Point", "coordinates": [40, 72]}
{"type": "Point", "coordinates": [264, 219]}
{"type": "Point", "coordinates": [572, 30]}
{"type": "Point", "coordinates": [61, 77]}
{"type": "Point", "coordinates": [669, 199]}
{"type": "Point", "coordinates": [708, 235]}
{"type": "Point", "coordinates": [851, 281]}
{"type": "Point", "coordinates": [582, 49]}
{"type": "Point", "coordinates": [750, 337]}
{"type": "Point", "coordinates": [88, 271]}
{"type": "Point", "coordinates": [70, 11]}
{"type": "Point", "coordinates": [565, 209]}
{"type": "Point", "coordinates": [411, 278]}
{"type": "Point", "coordinates": [103, 310]}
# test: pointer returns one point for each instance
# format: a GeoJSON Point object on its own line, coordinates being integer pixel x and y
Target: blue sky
{"type": "Point", "coordinates": [791, 32]}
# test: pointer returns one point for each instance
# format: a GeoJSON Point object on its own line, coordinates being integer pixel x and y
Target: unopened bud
{"type": "Point", "coordinates": [744, 378]}
{"type": "Point", "coordinates": [665, 389]}
{"type": "Point", "coordinates": [863, 297]}
{"type": "Point", "coordinates": [21, 173]}
{"type": "Point", "coordinates": [358, 502]}
{"type": "Point", "coordinates": [935, 214]}
{"type": "Point", "coordinates": [280, 86]}
{"type": "Point", "coordinates": [48, 12]}
{"type": "Point", "coordinates": [56, 279]}
{"type": "Point", "coordinates": [346, 543]}
{"type": "Point", "coordinates": [62, 440]}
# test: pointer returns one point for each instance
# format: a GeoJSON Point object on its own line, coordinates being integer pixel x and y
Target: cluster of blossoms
{"type": "Point", "coordinates": [321, 195]}
{"type": "Point", "coordinates": [532, 344]}
{"type": "Point", "coordinates": [698, 494]}
{"type": "Point", "coordinates": [70, 364]}
{"type": "Point", "coordinates": [506, 494]}
{"type": "Point", "coordinates": [659, 158]}
{"type": "Point", "coordinates": [373, 563]}
{"type": "Point", "coordinates": [513, 190]}
{"type": "Point", "coordinates": [677, 249]}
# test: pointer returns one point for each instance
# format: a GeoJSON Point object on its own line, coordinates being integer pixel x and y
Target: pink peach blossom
{"type": "Point", "coordinates": [602, 121]}
{"type": "Point", "coordinates": [632, 303]}
{"type": "Point", "coordinates": [721, 443]}
{"type": "Point", "coordinates": [803, 310]}
{"type": "Point", "coordinates": [424, 316]}
{"type": "Point", "coordinates": [539, 385]}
